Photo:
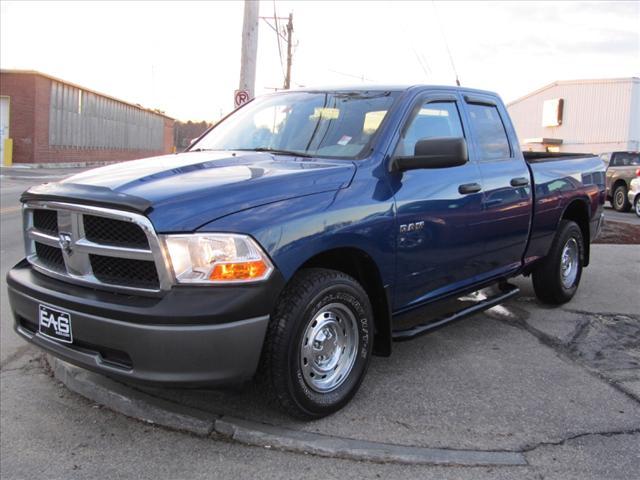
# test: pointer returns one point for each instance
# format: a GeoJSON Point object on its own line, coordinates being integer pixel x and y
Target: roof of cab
{"type": "Point", "coordinates": [387, 88]}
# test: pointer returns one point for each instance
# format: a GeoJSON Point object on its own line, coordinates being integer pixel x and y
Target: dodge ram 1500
{"type": "Point", "coordinates": [299, 236]}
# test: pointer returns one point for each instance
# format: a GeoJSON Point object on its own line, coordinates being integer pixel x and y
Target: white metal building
{"type": "Point", "coordinates": [592, 116]}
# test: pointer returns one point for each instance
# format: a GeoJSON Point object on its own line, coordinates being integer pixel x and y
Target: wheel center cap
{"type": "Point", "coordinates": [325, 345]}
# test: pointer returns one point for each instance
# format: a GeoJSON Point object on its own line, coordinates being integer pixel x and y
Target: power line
{"type": "Point", "coordinates": [446, 43]}
{"type": "Point", "coordinates": [420, 62]}
{"type": "Point", "coordinates": [424, 65]}
{"type": "Point", "coordinates": [359, 77]}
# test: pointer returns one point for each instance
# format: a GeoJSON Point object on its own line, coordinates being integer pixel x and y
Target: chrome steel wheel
{"type": "Point", "coordinates": [637, 206]}
{"type": "Point", "coordinates": [328, 348]}
{"type": "Point", "coordinates": [569, 263]}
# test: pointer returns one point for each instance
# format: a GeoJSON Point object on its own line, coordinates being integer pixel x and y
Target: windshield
{"type": "Point", "coordinates": [329, 124]}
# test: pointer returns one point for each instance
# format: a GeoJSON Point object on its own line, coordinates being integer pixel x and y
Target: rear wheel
{"type": "Point", "coordinates": [620, 201]}
{"type": "Point", "coordinates": [636, 205]}
{"type": "Point", "coordinates": [556, 279]}
{"type": "Point", "coordinates": [318, 343]}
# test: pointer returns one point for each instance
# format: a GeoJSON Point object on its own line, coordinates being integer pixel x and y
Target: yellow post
{"type": "Point", "coordinates": [8, 152]}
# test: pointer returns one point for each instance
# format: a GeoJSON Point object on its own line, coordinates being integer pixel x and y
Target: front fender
{"type": "Point", "coordinates": [295, 230]}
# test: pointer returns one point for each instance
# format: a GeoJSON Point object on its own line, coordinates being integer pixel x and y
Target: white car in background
{"type": "Point", "coordinates": [634, 195]}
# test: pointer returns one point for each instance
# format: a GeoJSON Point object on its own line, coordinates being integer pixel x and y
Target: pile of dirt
{"type": "Point", "coordinates": [619, 233]}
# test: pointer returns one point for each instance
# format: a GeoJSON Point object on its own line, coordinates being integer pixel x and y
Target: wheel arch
{"type": "Point", "coordinates": [578, 211]}
{"type": "Point", "coordinates": [360, 265]}
{"type": "Point", "coordinates": [617, 182]}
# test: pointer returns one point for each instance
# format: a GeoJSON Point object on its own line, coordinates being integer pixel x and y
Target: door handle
{"type": "Point", "coordinates": [519, 182]}
{"type": "Point", "coordinates": [493, 203]}
{"type": "Point", "coordinates": [467, 188]}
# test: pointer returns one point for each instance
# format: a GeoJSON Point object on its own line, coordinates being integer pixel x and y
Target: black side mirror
{"type": "Point", "coordinates": [434, 153]}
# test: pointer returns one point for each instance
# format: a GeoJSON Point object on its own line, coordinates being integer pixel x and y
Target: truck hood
{"type": "Point", "coordinates": [184, 191]}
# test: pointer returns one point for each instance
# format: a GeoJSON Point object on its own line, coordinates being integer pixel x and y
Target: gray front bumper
{"type": "Point", "coordinates": [159, 354]}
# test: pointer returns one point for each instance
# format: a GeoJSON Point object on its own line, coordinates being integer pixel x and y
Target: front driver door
{"type": "Point", "coordinates": [438, 210]}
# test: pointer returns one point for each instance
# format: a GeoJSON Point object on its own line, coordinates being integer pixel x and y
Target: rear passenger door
{"type": "Point", "coordinates": [507, 202]}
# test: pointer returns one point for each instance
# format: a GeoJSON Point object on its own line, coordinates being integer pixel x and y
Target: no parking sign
{"type": "Point", "coordinates": [240, 97]}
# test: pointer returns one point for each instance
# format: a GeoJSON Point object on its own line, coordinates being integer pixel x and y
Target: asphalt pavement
{"type": "Point", "coordinates": [624, 217]}
{"type": "Point", "coordinates": [561, 386]}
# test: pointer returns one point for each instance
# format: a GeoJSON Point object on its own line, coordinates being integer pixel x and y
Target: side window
{"type": "Point", "coordinates": [488, 128]}
{"type": "Point", "coordinates": [436, 119]}
{"type": "Point", "coordinates": [624, 159]}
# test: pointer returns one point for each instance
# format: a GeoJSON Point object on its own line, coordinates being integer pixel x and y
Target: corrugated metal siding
{"type": "Point", "coordinates": [85, 120]}
{"type": "Point", "coordinates": [596, 114]}
{"type": "Point", "coordinates": [634, 123]}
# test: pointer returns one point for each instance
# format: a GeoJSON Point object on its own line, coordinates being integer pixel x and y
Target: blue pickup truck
{"type": "Point", "coordinates": [305, 232]}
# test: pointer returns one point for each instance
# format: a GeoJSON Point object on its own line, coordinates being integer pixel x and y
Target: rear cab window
{"type": "Point", "coordinates": [490, 134]}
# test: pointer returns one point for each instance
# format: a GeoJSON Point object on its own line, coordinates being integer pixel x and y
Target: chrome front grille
{"type": "Point", "coordinates": [100, 247]}
{"type": "Point", "coordinates": [114, 232]}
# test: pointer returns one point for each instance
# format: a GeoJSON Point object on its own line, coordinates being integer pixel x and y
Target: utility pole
{"type": "Point", "coordinates": [287, 78]}
{"type": "Point", "coordinates": [288, 29]}
{"type": "Point", "coordinates": [249, 47]}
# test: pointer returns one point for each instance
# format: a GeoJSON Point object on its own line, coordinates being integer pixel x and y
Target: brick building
{"type": "Point", "coordinates": [48, 120]}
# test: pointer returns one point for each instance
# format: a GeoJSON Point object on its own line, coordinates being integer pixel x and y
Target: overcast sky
{"type": "Point", "coordinates": [184, 58]}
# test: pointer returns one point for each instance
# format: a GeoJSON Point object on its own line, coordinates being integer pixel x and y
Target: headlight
{"type": "Point", "coordinates": [216, 258]}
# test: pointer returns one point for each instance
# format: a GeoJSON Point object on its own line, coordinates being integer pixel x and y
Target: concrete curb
{"type": "Point", "coordinates": [147, 408]}
{"type": "Point", "coordinates": [253, 433]}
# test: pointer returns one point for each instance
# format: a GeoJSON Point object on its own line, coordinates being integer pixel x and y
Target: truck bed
{"type": "Point", "coordinates": [539, 157]}
{"type": "Point", "coordinates": [559, 179]}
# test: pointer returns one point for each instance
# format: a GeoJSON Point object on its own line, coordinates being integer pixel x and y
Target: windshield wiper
{"type": "Point", "coordinates": [275, 151]}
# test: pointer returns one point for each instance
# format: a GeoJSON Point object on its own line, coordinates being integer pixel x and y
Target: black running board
{"type": "Point", "coordinates": [506, 292]}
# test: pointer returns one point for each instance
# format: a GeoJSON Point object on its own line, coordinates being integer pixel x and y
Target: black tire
{"type": "Point", "coordinates": [548, 275]}
{"type": "Point", "coordinates": [309, 295]}
{"type": "Point", "coordinates": [620, 201]}
{"type": "Point", "coordinates": [636, 205]}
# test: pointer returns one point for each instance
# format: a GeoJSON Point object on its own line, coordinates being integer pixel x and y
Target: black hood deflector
{"type": "Point", "coordinates": [94, 195]}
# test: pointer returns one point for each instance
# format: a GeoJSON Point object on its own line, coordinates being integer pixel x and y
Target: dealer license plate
{"type": "Point", "coordinates": [55, 324]}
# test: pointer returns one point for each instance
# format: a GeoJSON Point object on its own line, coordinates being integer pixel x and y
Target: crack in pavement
{"type": "Point", "coordinates": [585, 312]}
{"type": "Point", "coordinates": [20, 352]}
{"type": "Point", "coordinates": [593, 362]}
{"type": "Point", "coordinates": [580, 330]}
{"type": "Point", "coordinates": [536, 303]}
{"type": "Point", "coordinates": [530, 448]}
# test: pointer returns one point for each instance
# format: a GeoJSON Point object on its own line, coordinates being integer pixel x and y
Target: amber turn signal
{"type": "Point", "coordinates": [239, 271]}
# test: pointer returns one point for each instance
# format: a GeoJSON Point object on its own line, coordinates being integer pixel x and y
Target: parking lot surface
{"type": "Point", "coordinates": [625, 217]}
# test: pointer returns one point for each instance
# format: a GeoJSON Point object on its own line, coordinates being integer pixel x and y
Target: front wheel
{"type": "Point", "coordinates": [556, 279]}
{"type": "Point", "coordinates": [620, 201]}
{"type": "Point", "coordinates": [318, 343]}
{"type": "Point", "coordinates": [636, 205]}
